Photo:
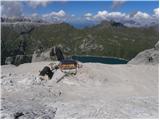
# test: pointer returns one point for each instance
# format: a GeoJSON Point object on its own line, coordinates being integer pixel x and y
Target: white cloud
{"type": "Point", "coordinates": [101, 15]}
{"type": "Point", "coordinates": [37, 3]}
{"type": "Point", "coordinates": [117, 16]}
{"type": "Point", "coordinates": [53, 17]}
{"type": "Point", "coordinates": [141, 15]}
{"type": "Point", "coordinates": [14, 9]}
{"type": "Point", "coordinates": [105, 15]}
{"type": "Point", "coordinates": [137, 19]}
{"type": "Point", "coordinates": [60, 13]}
{"type": "Point", "coordinates": [141, 18]}
{"type": "Point", "coordinates": [11, 8]}
{"type": "Point", "coordinates": [88, 14]}
{"type": "Point", "coordinates": [156, 11]}
{"type": "Point", "coordinates": [59, 16]}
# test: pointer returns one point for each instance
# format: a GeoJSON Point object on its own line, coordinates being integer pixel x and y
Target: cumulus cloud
{"type": "Point", "coordinates": [105, 15]}
{"type": "Point", "coordinates": [117, 3]}
{"type": "Point", "coordinates": [52, 17]}
{"type": "Point", "coordinates": [55, 16]}
{"type": "Point", "coordinates": [88, 16]}
{"type": "Point", "coordinates": [117, 16]}
{"type": "Point", "coordinates": [60, 13]}
{"type": "Point", "coordinates": [11, 8]}
{"type": "Point", "coordinates": [156, 11]}
{"type": "Point", "coordinates": [140, 19]}
{"type": "Point", "coordinates": [37, 3]}
{"type": "Point", "coordinates": [101, 15]}
{"type": "Point", "coordinates": [141, 15]}
{"type": "Point", "coordinates": [137, 19]}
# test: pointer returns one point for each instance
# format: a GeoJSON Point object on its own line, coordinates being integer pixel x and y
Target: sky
{"type": "Point", "coordinates": [81, 7]}
{"type": "Point", "coordinates": [84, 12]}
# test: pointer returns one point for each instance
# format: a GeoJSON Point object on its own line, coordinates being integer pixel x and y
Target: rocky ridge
{"type": "Point", "coordinates": [150, 56]}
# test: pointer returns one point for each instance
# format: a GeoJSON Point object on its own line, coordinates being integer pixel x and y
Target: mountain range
{"type": "Point", "coordinates": [109, 38]}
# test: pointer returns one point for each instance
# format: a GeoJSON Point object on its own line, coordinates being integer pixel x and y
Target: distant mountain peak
{"type": "Point", "coordinates": [106, 23]}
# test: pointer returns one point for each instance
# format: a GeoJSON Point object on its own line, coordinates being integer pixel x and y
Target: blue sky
{"type": "Point", "coordinates": [83, 13]}
{"type": "Point", "coordinates": [81, 7]}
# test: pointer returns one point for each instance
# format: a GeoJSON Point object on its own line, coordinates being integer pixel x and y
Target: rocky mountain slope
{"type": "Point", "coordinates": [21, 19]}
{"type": "Point", "coordinates": [96, 91]}
{"type": "Point", "coordinates": [150, 56]}
{"type": "Point", "coordinates": [105, 39]}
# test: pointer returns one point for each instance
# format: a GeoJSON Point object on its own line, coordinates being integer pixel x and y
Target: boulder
{"type": "Point", "coordinates": [47, 55]}
{"type": "Point", "coordinates": [20, 59]}
{"type": "Point", "coordinates": [9, 60]}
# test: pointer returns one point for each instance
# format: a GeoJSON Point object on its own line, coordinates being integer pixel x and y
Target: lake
{"type": "Point", "coordinates": [104, 60]}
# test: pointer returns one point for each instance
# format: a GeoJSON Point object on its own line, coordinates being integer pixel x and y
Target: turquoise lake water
{"type": "Point", "coordinates": [104, 60]}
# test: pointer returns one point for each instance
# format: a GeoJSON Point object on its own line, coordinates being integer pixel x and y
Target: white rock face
{"type": "Point", "coordinates": [96, 91]}
{"type": "Point", "coordinates": [150, 56]}
{"type": "Point", "coordinates": [157, 46]}
{"type": "Point", "coordinates": [41, 56]}
{"type": "Point", "coordinates": [9, 60]}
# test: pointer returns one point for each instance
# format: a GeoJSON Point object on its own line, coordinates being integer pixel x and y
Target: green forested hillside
{"type": "Point", "coordinates": [105, 39]}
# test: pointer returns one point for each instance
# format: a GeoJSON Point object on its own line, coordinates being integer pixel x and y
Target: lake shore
{"type": "Point", "coordinates": [99, 59]}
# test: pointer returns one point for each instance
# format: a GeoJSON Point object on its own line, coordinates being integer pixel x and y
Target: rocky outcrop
{"type": "Point", "coordinates": [39, 55]}
{"type": "Point", "coordinates": [150, 56]}
{"type": "Point", "coordinates": [21, 19]}
{"type": "Point", "coordinates": [156, 47]}
{"type": "Point", "coordinates": [18, 59]}
{"type": "Point", "coordinates": [9, 60]}
{"type": "Point", "coordinates": [89, 44]}
{"type": "Point", "coordinates": [20, 28]}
